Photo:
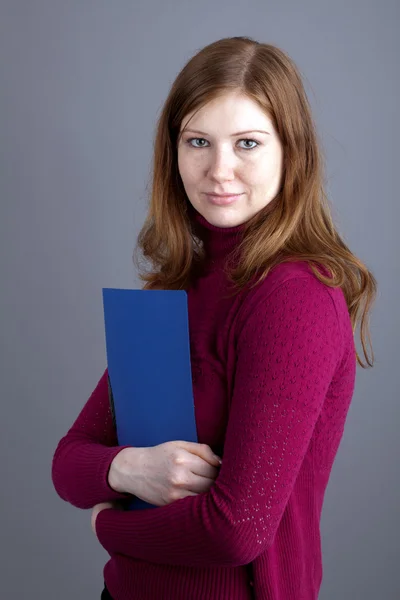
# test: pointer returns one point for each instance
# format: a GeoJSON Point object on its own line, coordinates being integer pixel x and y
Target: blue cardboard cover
{"type": "Point", "coordinates": [149, 369]}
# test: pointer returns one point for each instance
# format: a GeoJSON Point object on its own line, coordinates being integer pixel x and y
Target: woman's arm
{"type": "Point", "coordinates": [83, 457]}
{"type": "Point", "coordinates": [288, 348]}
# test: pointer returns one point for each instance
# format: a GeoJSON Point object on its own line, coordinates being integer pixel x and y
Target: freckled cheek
{"type": "Point", "coordinates": [194, 171]}
{"type": "Point", "coordinates": [252, 176]}
{"type": "Point", "coordinates": [187, 171]}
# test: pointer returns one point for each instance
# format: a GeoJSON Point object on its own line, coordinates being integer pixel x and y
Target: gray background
{"type": "Point", "coordinates": [82, 83]}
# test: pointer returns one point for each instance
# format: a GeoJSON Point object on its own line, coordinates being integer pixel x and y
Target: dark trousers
{"type": "Point", "coordinates": [105, 594]}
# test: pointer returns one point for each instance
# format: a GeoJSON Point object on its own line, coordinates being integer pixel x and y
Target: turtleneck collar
{"type": "Point", "coordinates": [218, 241]}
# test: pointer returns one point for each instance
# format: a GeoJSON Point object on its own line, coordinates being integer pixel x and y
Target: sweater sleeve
{"type": "Point", "coordinates": [288, 345]}
{"type": "Point", "coordinates": [83, 457]}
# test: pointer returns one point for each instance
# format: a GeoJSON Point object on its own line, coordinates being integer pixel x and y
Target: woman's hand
{"type": "Point", "coordinates": [98, 508]}
{"type": "Point", "coordinates": [164, 473]}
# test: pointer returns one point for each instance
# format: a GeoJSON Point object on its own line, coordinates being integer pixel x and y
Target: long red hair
{"type": "Point", "coordinates": [296, 225]}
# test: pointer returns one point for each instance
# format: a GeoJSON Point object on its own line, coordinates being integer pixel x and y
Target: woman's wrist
{"type": "Point", "coordinates": [122, 470]}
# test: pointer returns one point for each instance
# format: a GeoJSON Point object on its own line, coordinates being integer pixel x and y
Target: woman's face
{"type": "Point", "coordinates": [215, 156]}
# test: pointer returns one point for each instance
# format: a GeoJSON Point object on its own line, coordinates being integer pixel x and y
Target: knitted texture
{"type": "Point", "coordinates": [273, 372]}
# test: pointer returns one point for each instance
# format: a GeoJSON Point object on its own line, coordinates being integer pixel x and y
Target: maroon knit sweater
{"type": "Point", "coordinates": [273, 373]}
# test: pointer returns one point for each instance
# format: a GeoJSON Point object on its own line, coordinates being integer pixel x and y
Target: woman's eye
{"type": "Point", "coordinates": [195, 139]}
{"type": "Point", "coordinates": [253, 141]}
{"type": "Point", "coordinates": [203, 140]}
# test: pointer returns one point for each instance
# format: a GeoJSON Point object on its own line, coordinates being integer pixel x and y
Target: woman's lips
{"type": "Point", "coordinates": [222, 200]}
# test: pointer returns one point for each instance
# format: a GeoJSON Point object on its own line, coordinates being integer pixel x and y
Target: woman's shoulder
{"type": "Point", "coordinates": [285, 271]}
{"type": "Point", "coordinates": [298, 270]}
{"type": "Point", "coordinates": [291, 293]}
{"type": "Point", "coordinates": [297, 282]}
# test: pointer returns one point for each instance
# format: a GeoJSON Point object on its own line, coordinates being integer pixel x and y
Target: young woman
{"type": "Point", "coordinates": [238, 217]}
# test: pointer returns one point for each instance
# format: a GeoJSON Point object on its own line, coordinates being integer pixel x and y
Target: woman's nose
{"type": "Point", "coordinates": [222, 165]}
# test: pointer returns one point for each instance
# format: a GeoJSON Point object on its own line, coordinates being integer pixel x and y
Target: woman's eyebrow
{"type": "Point", "coordinates": [233, 134]}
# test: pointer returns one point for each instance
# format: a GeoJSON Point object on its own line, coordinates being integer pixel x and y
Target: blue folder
{"type": "Point", "coordinates": [149, 369]}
